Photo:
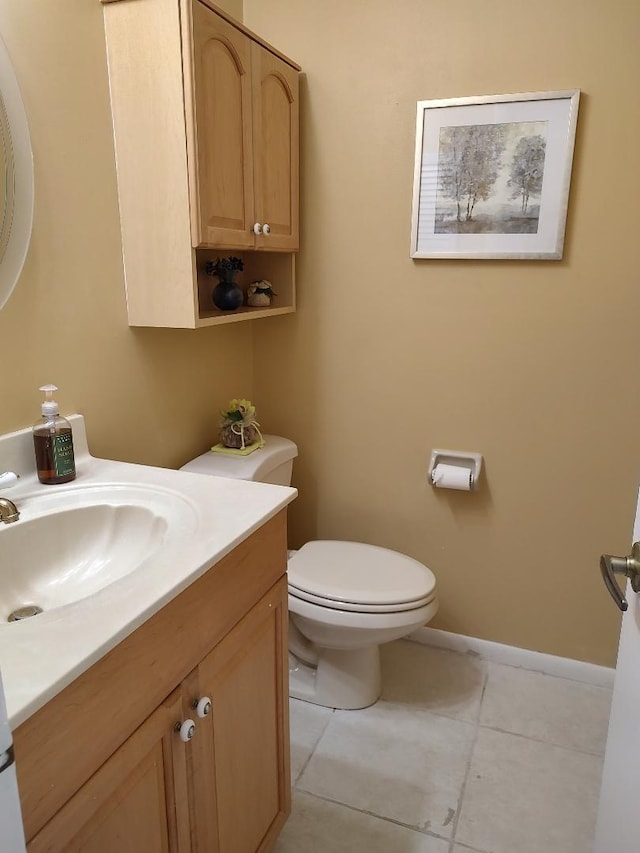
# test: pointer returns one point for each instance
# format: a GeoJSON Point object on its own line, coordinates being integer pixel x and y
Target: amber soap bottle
{"type": "Point", "coordinates": [53, 443]}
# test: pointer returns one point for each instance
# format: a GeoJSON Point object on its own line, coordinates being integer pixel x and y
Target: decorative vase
{"type": "Point", "coordinates": [227, 296]}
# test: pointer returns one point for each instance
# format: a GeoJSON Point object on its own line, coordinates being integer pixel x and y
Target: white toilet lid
{"type": "Point", "coordinates": [352, 575]}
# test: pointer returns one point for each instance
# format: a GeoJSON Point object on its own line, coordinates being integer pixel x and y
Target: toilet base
{"type": "Point", "coordinates": [347, 679]}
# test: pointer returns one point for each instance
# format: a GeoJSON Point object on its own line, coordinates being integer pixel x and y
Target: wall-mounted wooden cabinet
{"type": "Point", "coordinates": [205, 117]}
{"type": "Point", "coordinates": [245, 135]}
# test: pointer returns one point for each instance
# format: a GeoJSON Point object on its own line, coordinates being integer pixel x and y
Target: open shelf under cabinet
{"type": "Point", "coordinates": [276, 267]}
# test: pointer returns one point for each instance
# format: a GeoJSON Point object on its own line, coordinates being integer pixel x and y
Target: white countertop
{"type": "Point", "coordinates": [42, 655]}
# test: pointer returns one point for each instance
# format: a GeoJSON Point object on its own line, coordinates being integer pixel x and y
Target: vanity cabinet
{"type": "Point", "coordinates": [102, 766]}
{"type": "Point", "coordinates": [206, 140]}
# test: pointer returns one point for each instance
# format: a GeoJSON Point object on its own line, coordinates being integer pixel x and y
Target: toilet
{"type": "Point", "coordinates": [345, 598]}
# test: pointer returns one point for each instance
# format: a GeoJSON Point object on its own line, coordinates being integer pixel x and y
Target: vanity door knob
{"type": "Point", "coordinates": [266, 228]}
{"type": "Point", "coordinates": [186, 730]}
{"type": "Point", "coordinates": [202, 706]}
{"type": "Point", "coordinates": [257, 228]}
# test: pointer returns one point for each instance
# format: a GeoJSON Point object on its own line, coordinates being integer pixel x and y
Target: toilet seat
{"type": "Point", "coordinates": [355, 577]}
{"type": "Point", "coordinates": [354, 607]}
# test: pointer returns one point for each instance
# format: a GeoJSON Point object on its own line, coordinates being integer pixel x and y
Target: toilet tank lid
{"type": "Point", "coordinates": [276, 451]}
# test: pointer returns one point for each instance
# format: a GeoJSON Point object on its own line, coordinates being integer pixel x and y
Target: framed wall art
{"type": "Point", "coordinates": [492, 175]}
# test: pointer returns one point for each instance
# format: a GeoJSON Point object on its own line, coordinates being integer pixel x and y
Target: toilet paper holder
{"type": "Point", "coordinates": [459, 458]}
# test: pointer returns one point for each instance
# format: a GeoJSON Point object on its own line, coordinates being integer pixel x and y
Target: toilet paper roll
{"type": "Point", "coordinates": [452, 477]}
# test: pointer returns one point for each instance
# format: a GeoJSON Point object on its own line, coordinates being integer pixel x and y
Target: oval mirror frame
{"type": "Point", "coordinates": [16, 197]}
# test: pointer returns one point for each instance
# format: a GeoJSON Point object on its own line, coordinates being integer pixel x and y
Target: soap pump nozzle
{"type": "Point", "coordinates": [50, 408]}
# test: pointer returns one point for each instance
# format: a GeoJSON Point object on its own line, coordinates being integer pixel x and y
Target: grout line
{"type": "Point", "coordinates": [424, 709]}
{"type": "Point", "coordinates": [482, 694]}
{"type": "Point", "coordinates": [313, 748]}
{"type": "Point", "coordinates": [456, 819]}
{"type": "Point", "coordinates": [467, 847]}
{"type": "Point", "coordinates": [544, 742]}
{"type": "Point", "coordinates": [412, 827]}
{"type": "Point", "coordinates": [538, 671]}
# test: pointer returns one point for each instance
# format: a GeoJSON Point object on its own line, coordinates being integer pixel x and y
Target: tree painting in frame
{"type": "Point", "coordinates": [492, 176]}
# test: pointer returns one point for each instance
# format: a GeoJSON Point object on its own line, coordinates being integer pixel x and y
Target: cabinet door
{"type": "Point", "coordinates": [276, 149]}
{"type": "Point", "coordinates": [220, 134]}
{"type": "Point", "coordinates": [247, 736]}
{"type": "Point", "coordinates": [137, 800]}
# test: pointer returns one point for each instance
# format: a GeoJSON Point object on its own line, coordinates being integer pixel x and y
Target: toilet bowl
{"type": "Point", "coordinates": [345, 598]}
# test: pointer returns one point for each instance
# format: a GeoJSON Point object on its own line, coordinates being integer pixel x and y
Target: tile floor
{"type": "Point", "coordinates": [460, 755]}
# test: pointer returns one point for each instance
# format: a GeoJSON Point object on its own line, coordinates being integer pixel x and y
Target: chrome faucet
{"type": "Point", "coordinates": [8, 510]}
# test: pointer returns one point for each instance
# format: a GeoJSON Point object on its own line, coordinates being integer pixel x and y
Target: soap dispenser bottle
{"type": "Point", "coordinates": [53, 443]}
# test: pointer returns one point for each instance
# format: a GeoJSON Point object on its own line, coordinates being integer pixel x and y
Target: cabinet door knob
{"type": "Point", "coordinates": [266, 228]}
{"type": "Point", "coordinates": [186, 730]}
{"type": "Point", "coordinates": [202, 706]}
{"type": "Point", "coordinates": [257, 228]}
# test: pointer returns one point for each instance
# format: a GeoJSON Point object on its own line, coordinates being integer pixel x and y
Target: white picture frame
{"type": "Point", "coordinates": [492, 176]}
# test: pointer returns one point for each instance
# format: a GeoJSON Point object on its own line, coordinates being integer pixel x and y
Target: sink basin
{"type": "Point", "coordinates": [71, 544]}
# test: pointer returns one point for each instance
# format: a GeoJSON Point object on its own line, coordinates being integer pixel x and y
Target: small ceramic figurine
{"type": "Point", "coordinates": [259, 294]}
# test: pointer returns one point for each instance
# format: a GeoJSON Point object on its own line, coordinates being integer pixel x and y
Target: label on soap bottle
{"type": "Point", "coordinates": [63, 459]}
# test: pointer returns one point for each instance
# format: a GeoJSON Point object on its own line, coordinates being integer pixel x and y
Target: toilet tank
{"type": "Point", "coordinates": [273, 463]}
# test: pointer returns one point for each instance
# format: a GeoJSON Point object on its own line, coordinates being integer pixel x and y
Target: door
{"type": "Point", "coordinates": [245, 739]}
{"type": "Point", "coordinates": [276, 150]}
{"type": "Point", "coordinates": [618, 826]}
{"type": "Point", "coordinates": [242, 112]}
{"type": "Point", "coordinates": [137, 800]}
{"type": "Point", "coordinates": [11, 832]}
{"type": "Point", "coordinates": [220, 133]}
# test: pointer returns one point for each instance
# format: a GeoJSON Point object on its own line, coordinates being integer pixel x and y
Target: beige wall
{"type": "Point", "coordinates": [148, 395]}
{"type": "Point", "coordinates": [534, 364]}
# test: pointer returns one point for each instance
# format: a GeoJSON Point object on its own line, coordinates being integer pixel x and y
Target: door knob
{"type": "Point", "coordinates": [257, 228]}
{"type": "Point", "coordinates": [266, 228]}
{"type": "Point", "coordinates": [627, 566]}
{"type": "Point", "coordinates": [186, 730]}
{"type": "Point", "coordinates": [202, 706]}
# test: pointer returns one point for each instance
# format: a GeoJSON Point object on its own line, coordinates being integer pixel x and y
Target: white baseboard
{"type": "Point", "coordinates": [589, 673]}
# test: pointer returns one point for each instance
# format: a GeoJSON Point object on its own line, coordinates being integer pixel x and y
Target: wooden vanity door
{"type": "Point", "coordinates": [137, 800]}
{"type": "Point", "coordinates": [276, 149]}
{"type": "Point", "coordinates": [219, 133]}
{"type": "Point", "coordinates": [246, 677]}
